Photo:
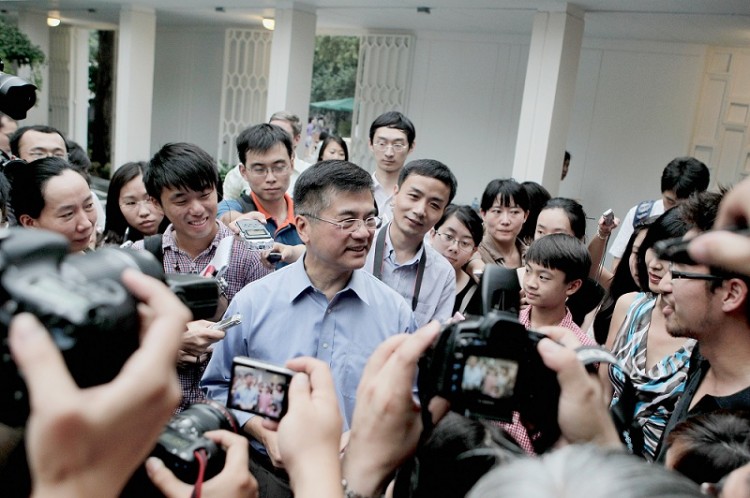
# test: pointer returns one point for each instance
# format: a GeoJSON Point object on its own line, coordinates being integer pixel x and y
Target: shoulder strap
{"type": "Point", "coordinates": [642, 212]}
{"type": "Point", "coordinates": [152, 244]}
{"type": "Point", "coordinates": [247, 203]}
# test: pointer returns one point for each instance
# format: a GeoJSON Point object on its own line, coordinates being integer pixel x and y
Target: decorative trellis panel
{"type": "Point", "coordinates": [247, 55]}
{"type": "Point", "coordinates": [59, 79]}
{"type": "Point", "coordinates": [383, 77]}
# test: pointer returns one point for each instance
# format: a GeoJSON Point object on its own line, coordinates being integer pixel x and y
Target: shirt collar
{"type": "Point", "coordinates": [289, 220]}
{"type": "Point", "coordinates": [298, 282]}
{"type": "Point", "coordinates": [170, 241]}
{"type": "Point", "coordinates": [390, 253]}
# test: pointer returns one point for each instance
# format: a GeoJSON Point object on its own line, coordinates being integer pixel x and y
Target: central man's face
{"type": "Point", "coordinates": [268, 173]}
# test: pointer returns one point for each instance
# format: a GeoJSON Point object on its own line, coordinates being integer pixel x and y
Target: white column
{"type": "Point", "coordinates": [34, 25]}
{"type": "Point", "coordinates": [548, 97]}
{"type": "Point", "coordinates": [134, 85]}
{"type": "Point", "coordinates": [292, 51]}
{"type": "Point", "coordinates": [79, 86]}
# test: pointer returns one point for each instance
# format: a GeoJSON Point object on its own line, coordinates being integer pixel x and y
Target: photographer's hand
{"type": "Point", "coordinates": [88, 442]}
{"type": "Point", "coordinates": [197, 340]}
{"type": "Point", "coordinates": [289, 254]}
{"type": "Point", "coordinates": [583, 417]}
{"type": "Point", "coordinates": [267, 437]}
{"type": "Point", "coordinates": [309, 433]}
{"type": "Point", "coordinates": [386, 424]}
{"type": "Point", "coordinates": [234, 481]}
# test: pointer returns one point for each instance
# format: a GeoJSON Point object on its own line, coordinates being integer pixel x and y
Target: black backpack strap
{"type": "Point", "coordinates": [642, 212]}
{"type": "Point", "coordinates": [247, 203]}
{"type": "Point", "coordinates": [152, 244]}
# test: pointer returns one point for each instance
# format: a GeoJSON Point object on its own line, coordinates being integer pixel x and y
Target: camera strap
{"type": "Point", "coordinates": [377, 269]}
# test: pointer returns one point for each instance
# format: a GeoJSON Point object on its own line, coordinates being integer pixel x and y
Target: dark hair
{"type": "Point", "coordinates": [15, 139]}
{"type": "Point", "coordinates": [338, 140]}
{"type": "Point", "coordinates": [508, 191]}
{"type": "Point", "coordinates": [711, 445]}
{"type": "Point", "coordinates": [575, 213]}
{"type": "Point", "coordinates": [116, 224]}
{"type": "Point", "coordinates": [315, 187]}
{"type": "Point", "coordinates": [667, 226]}
{"type": "Point", "coordinates": [458, 452]}
{"type": "Point", "coordinates": [261, 138]}
{"type": "Point", "coordinates": [4, 198]}
{"type": "Point", "coordinates": [27, 183]}
{"type": "Point", "coordinates": [701, 208]}
{"type": "Point", "coordinates": [396, 120]}
{"type": "Point", "coordinates": [180, 166]}
{"type": "Point", "coordinates": [622, 283]}
{"type": "Point", "coordinates": [78, 156]}
{"type": "Point", "coordinates": [685, 175]}
{"type": "Point", "coordinates": [290, 118]}
{"type": "Point", "coordinates": [431, 169]}
{"type": "Point", "coordinates": [468, 217]}
{"type": "Point", "coordinates": [538, 197]}
{"type": "Point", "coordinates": [560, 251]}
{"type": "Point", "coordinates": [567, 156]}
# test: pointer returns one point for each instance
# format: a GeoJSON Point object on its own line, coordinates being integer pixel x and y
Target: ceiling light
{"type": "Point", "coordinates": [269, 23]}
{"type": "Point", "coordinates": [53, 19]}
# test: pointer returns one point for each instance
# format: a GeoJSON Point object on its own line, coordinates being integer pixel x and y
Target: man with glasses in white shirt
{"type": "Point", "coordinates": [323, 305]}
{"type": "Point", "coordinates": [391, 139]}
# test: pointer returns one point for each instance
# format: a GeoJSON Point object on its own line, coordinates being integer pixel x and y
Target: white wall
{"type": "Point", "coordinates": [633, 112]}
{"type": "Point", "coordinates": [187, 87]}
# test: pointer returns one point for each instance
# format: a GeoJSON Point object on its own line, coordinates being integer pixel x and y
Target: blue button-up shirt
{"type": "Point", "coordinates": [285, 316]}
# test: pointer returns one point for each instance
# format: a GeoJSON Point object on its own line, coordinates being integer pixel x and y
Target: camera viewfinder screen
{"type": "Point", "coordinates": [493, 377]}
{"type": "Point", "coordinates": [258, 391]}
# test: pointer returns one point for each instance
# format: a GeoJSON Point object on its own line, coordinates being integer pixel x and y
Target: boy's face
{"type": "Point", "coordinates": [390, 147]}
{"type": "Point", "coordinates": [418, 204]}
{"type": "Point", "coordinates": [193, 214]}
{"type": "Point", "coordinates": [546, 288]}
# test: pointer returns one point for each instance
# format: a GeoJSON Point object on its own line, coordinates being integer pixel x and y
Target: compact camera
{"type": "Point", "coordinates": [82, 302]}
{"type": "Point", "coordinates": [258, 387]}
{"type": "Point", "coordinates": [255, 234]}
{"type": "Point", "coordinates": [182, 444]}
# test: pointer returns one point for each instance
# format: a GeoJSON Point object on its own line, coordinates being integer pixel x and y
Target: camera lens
{"type": "Point", "coordinates": [204, 416]}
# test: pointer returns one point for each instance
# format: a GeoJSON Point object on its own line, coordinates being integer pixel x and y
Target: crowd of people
{"type": "Point", "coordinates": [369, 265]}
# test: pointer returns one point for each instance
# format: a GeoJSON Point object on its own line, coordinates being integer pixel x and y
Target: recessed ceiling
{"type": "Point", "coordinates": [714, 22]}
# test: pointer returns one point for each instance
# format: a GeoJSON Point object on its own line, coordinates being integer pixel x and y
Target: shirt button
{"type": "Point", "coordinates": [329, 311]}
{"type": "Point", "coordinates": [325, 345]}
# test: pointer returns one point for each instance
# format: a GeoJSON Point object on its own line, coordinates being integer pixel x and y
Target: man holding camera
{"type": "Point", "coordinates": [340, 312]}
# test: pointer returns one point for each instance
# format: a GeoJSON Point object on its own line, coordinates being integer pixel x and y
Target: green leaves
{"type": "Point", "coordinates": [16, 48]}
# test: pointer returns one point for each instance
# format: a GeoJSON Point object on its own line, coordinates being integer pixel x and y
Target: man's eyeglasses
{"type": "Point", "coordinates": [38, 154]}
{"type": "Point", "coordinates": [262, 172]}
{"type": "Point", "coordinates": [687, 275]}
{"type": "Point", "coordinates": [350, 225]}
{"type": "Point", "coordinates": [463, 245]}
{"type": "Point", "coordinates": [132, 205]}
{"type": "Point", "coordinates": [383, 146]}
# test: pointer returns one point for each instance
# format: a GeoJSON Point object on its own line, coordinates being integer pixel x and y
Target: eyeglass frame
{"type": "Point", "coordinates": [357, 222]}
{"type": "Point", "coordinates": [450, 239]}
{"type": "Point", "coordinates": [687, 275]}
{"type": "Point", "coordinates": [276, 170]}
{"type": "Point", "coordinates": [383, 146]}
{"type": "Point", "coordinates": [42, 155]}
{"type": "Point", "coordinates": [137, 204]}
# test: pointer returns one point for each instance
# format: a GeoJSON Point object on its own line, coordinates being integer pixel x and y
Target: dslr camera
{"type": "Point", "coordinates": [82, 302]}
{"type": "Point", "coordinates": [488, 366]}
{"type": "Point", "coordinates": [184, 449]}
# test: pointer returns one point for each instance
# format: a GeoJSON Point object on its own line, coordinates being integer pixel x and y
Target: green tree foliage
{"type": "Point", "coordinates": [17, 50]}
{"type": "Point", "coordinates": [334, 67]}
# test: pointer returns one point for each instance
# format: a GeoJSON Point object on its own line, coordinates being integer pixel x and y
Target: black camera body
{"type": "Point", "coordinates": [81, 300]}
{"type": "Point", "coordinates": [183, 438]}
{"type": "Point", "coordinates": [488, 367]}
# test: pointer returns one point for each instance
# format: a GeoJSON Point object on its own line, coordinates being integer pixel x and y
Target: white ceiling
{"type": "Point", "coordinates": [715, 22]}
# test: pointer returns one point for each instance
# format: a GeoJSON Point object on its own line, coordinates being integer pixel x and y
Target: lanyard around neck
{"type": "Point", "coordinates": [377, 269]}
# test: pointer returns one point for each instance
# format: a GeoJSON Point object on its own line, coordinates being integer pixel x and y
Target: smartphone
{"type": "Point", "coordinates": [609, 217]}
{"type": "Point", "coordinates": [258, 387]}
{"type": "Point", "coordinates": [255, 235]}
{"type": "Point", "coordinates": [228, 322]}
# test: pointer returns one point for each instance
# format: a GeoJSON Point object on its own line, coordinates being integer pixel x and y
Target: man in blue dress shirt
{"type": "Point", "coordinates": [323, 305]}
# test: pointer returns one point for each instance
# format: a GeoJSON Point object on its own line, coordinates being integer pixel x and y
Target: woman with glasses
{"type": "Point", "coordinates": [657, 363]}
{"type": "Point", "coordinates": [456, 236]}
{"type": "Point", "coordinates": [131, 214]}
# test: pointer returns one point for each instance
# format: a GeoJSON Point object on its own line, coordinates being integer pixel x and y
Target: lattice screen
{"type": "Point", "coordinates": [59, 79]}
{"type": "Point", "coordinates": [247, 56]}
{"type": "Point", "coordinates": [383, 78]}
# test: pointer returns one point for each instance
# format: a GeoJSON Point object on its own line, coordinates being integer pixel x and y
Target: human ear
{"type": "Point", "coordinates": [736, 295]}
{"type": "Point", "coordinates": [26, 221]}
{"type": "Point", "coordinates": [573, 286]}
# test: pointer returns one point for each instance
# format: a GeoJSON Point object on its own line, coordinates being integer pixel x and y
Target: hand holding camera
{"type": "Point", "coordinates": [87, 441]}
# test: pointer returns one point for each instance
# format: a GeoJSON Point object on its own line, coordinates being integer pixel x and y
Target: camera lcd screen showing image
{"type": "Point", "coordinates": [492, 377]}
{"type": "Point", "coordinates": [260, 389]}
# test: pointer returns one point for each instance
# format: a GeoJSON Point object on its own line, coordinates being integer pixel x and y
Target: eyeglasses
{"type": "Point", "coordinates": [463, 245]}
{"type": "Point", "coordinates": [262, 172]}
{"type": "Point", "coordinates": [687, 275]}
{"type": "Point", "coordinates": [383, 146]}
{"type": "Point", "coordinates": [132, 205]}
{"type": "Point", "coordinates": [352, 224]}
